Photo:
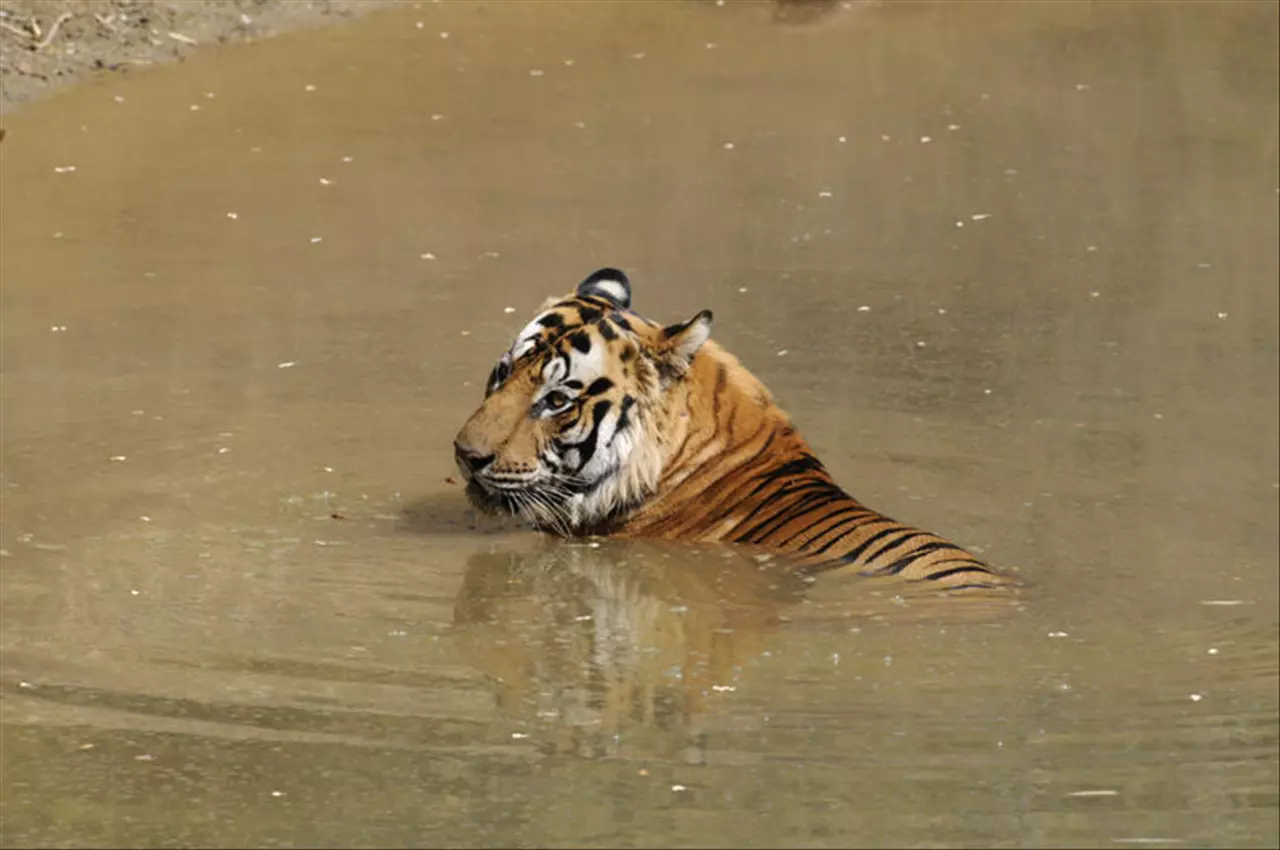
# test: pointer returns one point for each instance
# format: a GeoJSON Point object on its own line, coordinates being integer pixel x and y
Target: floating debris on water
{"type": "Point", "coordinates": [233, 216]}
{"type": "Point", "coordinates": [315, 239]}
{"type": "Point", "coordinates": [1097, 792]}
{"type": "Point", "coordinates": [63, 169]}
{"type": "Point", "coordinates": [288, 364]}
{"type": "Point", "coordinates": [727, 146]}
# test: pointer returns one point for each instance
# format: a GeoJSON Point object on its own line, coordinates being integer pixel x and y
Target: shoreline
{"type": "Point", "coordinates": [46, 47]}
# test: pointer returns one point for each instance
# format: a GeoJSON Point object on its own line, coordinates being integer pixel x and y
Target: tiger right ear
{"type": "Point", "coordinates": [609, 284]}
{"type": "Point", "coordinates": [680, 342]}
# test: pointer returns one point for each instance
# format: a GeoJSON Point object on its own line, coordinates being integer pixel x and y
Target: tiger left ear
{"type": "Point", "coordinates": [609, 284]}
{"type": "Point", "coordinates": [682, 341]}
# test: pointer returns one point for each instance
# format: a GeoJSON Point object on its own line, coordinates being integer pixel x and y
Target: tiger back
{"type": "Point", "coordinates": [600, 421]}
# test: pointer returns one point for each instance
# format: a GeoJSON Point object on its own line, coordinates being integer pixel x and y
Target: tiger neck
{"type": "Point", "coordinates": [725, 447]}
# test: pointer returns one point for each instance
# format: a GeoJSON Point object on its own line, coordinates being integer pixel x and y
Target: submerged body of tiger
{"type": "Point", "coordinates": [598, 421]}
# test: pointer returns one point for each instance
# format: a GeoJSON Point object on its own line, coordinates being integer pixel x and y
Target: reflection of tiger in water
{"type": "Point", "coordinates": [598, 421]}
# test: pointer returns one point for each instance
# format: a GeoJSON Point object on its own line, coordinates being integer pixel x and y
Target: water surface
{"type": "Point", "coordinates": [1012, 267]}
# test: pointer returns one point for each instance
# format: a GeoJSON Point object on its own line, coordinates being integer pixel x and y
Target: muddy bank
{"type": "Point", "coordinates": [47, 45]}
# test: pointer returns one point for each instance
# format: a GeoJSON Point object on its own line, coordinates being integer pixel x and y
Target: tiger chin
{"type": "Point", "coordinates": [598, 421]}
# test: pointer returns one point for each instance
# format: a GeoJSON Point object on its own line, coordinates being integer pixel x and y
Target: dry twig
{"type": "Point", "coordinates": [53, 31]}
{"type": "Point", "coordinates": [11, 28]}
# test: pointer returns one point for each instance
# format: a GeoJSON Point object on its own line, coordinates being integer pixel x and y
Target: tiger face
{"type": "Point", "coordinates": [570, 431]}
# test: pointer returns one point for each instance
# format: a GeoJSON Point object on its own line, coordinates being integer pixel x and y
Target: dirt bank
{"type": "Point", "coordinates": [47, 44]}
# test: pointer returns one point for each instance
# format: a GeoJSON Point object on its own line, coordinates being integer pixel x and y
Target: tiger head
{"type": "Point", "coordinates": [570, 433]}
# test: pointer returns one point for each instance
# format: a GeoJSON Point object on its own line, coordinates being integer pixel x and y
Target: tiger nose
{"type": "Point", "coordinates": [469, 460]}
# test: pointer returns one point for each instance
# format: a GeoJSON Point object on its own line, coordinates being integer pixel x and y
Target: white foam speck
{"type": "Point", "coordinates": [288, 364]}
{"type": "Point", "coordinates": [508, 309]}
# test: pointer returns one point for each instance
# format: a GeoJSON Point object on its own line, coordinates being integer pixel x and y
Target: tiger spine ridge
{"type": "Point", "coordinates": [599, 421]}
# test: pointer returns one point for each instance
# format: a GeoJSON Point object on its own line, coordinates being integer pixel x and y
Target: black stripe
{"type": "Point", "coordinates": [551, 320]}
{"type": "Point", "coordinates": [788, 490]}
{"type": "Point", "coordinates": [722, 378]}
{"type": "Point", "coordinates": [766, 479]}
{"type": "Point", "coordinates": [852, 555]}
{"type": "Point", "coordinates": [906, 560]}
{"type": "Point", "coordinates": [795, 510]}
{"type": "Point", "coordinates": [972, 568]}
{"type": "Point", "coordinates": [598, 386]}
{"type": "Point", "coordinates": [606, 330]}
{"type": "Point", "coordinates": [589, 314]}
{"type": "Point", "coordinates": [853, 512]}
{"type": "Point", "coordinates": [624, 420]}
{"type": "Point", "coordinates": [911, 534]}
{"type": "Point", "coordinates": [587, 446]}
{"type": "Point", "coordinates": [580, 340]}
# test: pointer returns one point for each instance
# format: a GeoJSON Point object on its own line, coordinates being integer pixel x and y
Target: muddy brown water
{"type": "Point", "coordinates": [1012, 267]}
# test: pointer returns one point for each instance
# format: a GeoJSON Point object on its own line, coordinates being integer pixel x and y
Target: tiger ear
{"type": "Point", "coordinates": [680, 342]}
{"type": "Point", "coordinates": [609, 284]}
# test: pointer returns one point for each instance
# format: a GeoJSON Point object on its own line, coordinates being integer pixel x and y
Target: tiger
{"type": "Point", "coordinates": [600, 422]}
